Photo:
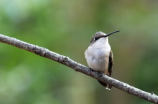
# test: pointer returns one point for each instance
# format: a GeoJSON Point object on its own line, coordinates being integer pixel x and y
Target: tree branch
{"type": "Point", "coordinates": [79, 67]}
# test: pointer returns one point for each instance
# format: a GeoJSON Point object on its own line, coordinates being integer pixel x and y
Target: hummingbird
{"type": "Point", "coordinates": [99, 55]}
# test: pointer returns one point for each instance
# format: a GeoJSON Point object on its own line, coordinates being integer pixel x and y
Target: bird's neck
{"type": "Point", "coordinates": [103, 42]}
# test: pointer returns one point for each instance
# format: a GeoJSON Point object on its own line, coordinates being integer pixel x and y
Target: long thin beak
{"type": "Point", "coordinates": [111, 33]}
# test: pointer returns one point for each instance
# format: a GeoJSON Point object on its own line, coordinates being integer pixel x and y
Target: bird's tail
{"type": "Point", "coordinates": [107, 86]}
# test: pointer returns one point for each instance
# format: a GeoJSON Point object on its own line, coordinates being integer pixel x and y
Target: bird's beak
{"type": "Point", "coordinates": [111, 33]}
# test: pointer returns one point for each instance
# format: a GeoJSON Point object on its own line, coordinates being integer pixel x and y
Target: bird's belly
{"type": "Point", "coordinates": [98, 59]}
{"type": "Point", "coordinates": [99, 65]}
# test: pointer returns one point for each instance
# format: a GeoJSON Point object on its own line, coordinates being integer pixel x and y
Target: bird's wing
{"type": "Point", "coordinates": [110, 63]}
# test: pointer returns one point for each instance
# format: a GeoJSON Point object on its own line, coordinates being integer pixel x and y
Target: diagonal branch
{"type": "Point", "coordinates": [79, 67]}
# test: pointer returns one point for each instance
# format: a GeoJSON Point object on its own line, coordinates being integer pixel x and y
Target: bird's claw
{"type": "Point", "coordinates": [100, 74]}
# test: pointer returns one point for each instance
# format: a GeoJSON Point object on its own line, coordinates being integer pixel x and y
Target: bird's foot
{"type": "Point", "coordinates": [100, 74]}
{"type": "Point", "coordinates": [91, 70]}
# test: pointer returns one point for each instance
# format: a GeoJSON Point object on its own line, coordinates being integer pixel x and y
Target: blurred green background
{"type": "Point", "coordinates": [66, 27]}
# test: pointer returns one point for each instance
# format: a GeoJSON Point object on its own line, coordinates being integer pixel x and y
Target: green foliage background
{"type": "Point", "coordinates": [66, 27]}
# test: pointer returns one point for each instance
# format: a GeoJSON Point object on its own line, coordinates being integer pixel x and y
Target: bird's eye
{"type": "Point", "coordinates": [96, 38]}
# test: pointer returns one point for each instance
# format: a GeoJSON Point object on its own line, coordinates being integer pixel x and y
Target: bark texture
{"type": "Point", "coordinates": [79, 67]}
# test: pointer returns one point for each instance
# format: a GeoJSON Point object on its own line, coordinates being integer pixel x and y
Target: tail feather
{"type": "Point", "coordinates": [107, 86]}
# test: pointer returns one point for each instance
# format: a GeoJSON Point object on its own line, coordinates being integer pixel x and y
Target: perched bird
{"type": "Point", "coordinates": [99, 55]}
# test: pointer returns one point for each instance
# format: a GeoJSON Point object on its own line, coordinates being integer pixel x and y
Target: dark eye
{"type": "Point", "coordinates": [96, 38]}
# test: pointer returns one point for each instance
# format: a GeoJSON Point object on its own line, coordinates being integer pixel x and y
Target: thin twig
{"type": "Point", "coordinates": [79, 67]}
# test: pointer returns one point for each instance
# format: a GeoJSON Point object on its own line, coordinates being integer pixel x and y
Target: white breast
{"type": "Point", "coordinates": [97, 55]}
